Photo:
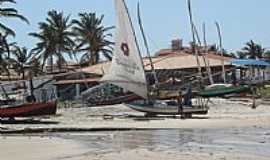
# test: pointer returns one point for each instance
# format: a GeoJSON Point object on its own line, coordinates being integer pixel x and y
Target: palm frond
{"type": "Point", "coordinates": [7, 29]}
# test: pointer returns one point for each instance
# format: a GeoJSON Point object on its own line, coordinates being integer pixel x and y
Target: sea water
{"type": "Point", "coordinates": [252, 140]}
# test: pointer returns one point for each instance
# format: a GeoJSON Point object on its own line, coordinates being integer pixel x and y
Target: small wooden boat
{"type": "Point", "coordinates": [168, 108]}
{"type": "Point", "coordinates": [28, 109]}
{"type": "Point", "coordinates": [222, 90]}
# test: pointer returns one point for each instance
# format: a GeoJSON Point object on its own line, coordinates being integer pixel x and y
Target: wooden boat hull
{"type": "Point", "coordinates": [130, 97]}
{"type": "Point", "coordinates": [29, 110]}
{"type": "Point", "coordinates": [168, 109]}
{"type": "Point", "coordinates": [223, 90]}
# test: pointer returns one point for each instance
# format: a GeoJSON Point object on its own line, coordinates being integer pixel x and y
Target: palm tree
{"type": "Point", "coordinates": [45, 47]}
{"type": "Point", "coordinates": [8, 12]}
{"type": "Point", "coordinates": [3, 65]}
{"type": "Point", "coordinates": [4, 45]}
{"type": "Point", "coordinates": [54, 39]}
{"type": "Point", "coordinates": [35, 67]}
{"type": "Point", "coordinates": [21, 59]}
{"type": "Point", "coordinates": [240, 55]}
{"type": "Point", "coordinates": [5, 54]}
{"type": "Point", "coordinates": [225, 53]}
{"type": "Point", "coordinates": [91, 38]}
{"type": "Point", "coordinates": [253, 50]}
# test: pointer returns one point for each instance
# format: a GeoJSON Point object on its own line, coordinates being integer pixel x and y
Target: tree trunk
{"type": "Point", "coordinates": [51, 64]}
{"type": "Point", "coordinates": [8, 75]}
{"type": "Point", "coordinates": [93, 58]}
{"type": "Point", "coordinates": [23, 74]}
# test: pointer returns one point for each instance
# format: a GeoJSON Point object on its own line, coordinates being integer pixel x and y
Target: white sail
{"type": "Point", "coordinates": [127, 69]}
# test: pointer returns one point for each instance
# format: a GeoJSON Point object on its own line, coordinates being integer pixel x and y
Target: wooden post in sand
{"type": "Point", "coordinates": [180, 105]}
{"type": "Point", "coordinates": [253, 89]}
{"type": "Point", "coordinates": [78, 90]}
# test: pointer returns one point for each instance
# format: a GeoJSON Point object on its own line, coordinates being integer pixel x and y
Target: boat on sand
{"type": "Point", "coordinates": [28, 109]}
{"type": "Point", "coordinates": [127, 71]}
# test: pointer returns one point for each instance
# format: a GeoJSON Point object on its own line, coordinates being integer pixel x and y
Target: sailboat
{"type": "Point", "coordinates": [127, 71]}
{"type": "Point", "coordinates": [223, 89]}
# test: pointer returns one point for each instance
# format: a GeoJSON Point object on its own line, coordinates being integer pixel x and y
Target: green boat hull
{"type": "Point", "coordinates": [223, 90]}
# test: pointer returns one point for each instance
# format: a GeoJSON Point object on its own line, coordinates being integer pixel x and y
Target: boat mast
{"type": "Point", "coordinates": [194, 48]}
{"type": "Point", "coordinates": [136, 43]}
{"type": "Point", "coordinates": [207, 60]}
{"type": "Point", "coordinates": [221, 52]}
{"type": "Point", "coordinates": [146, 45]}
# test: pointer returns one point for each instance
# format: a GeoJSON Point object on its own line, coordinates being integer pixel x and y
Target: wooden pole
{"type": "Point", "coordinates": [146, 45]}
{"type": "Point", "coordinates": [221, 52]}
{"type": "Point", "coordinates": [205, 50]}
{"type": "Point", "coordinates": [194, 48]}
{"type": "Point", "coordinates": [253, 97]}
{"type": "Point", "coordinates": [205, 60]}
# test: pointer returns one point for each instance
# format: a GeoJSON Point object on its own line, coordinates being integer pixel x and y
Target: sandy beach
{"type": "Point", "coordinates": [58, 58]}
{"type": "Point", "coordinates": [231, 130]}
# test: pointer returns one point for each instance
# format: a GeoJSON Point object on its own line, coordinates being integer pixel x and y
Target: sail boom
{"type": "Point", "coordinates": [129, 82]}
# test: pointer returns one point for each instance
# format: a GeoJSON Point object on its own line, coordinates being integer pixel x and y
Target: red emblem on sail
{"type": "Point", "coordinates": [125, 49]}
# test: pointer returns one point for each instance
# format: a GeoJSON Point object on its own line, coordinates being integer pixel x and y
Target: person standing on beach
{"type": "Point", "coordinates": [180, 104]}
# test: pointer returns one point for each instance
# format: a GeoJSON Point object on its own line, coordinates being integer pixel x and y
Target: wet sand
{"type": "Point", "coordinates": [38, 148]}
{"type": "Point", "coordinates": [222, 114]}
{"type": "Point", "coordinates": [231, 130]}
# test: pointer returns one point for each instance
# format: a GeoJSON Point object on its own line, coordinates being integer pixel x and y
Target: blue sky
{"type": "Point", "coordinates": [240, 20]}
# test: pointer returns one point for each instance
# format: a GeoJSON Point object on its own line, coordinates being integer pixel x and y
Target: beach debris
{"type": "Point", "coordinates": [108, 117]}
{"type": "Point", "coordinates": [3, 128]}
